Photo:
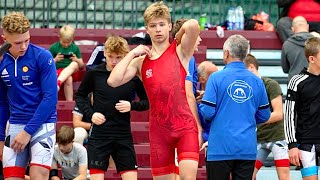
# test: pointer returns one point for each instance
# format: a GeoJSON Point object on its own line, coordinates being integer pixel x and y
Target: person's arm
{"type": "Point", "coordinates": [290, 115]}
{"type": "Point", "coordinates": [82, 164]}
{"type": "Point", "coordinates": [186, 38]}
{"type": "Point", "coordinates": [54, 170]}
{"type": "Point", "coordinates": [128, 67]}
{"type": "Point", "coordinates": [143, 103]}
{"type": "Point", "coordinates": [263, 113]}
{"type": "Point", "coordinates": [81, 96]}
{"type": "Point", "coordinates": [78, 58]}
{"type": "Point", "coordinates": [4, 115]}
{"type": "Point", "coordinates": [77, 120]}
{"type": "Point", "coordinates": [277, 113]}
{"type": "Point", "coordinates": [4, 111]}
{"type": "Point", "coordinates": [208, 102]}
{"type": "Point", "coordinates": [284, 61]}
{"type": "Point", "coordinates": [290, 120]}
{"type": "Point", "coordinates": [48, 80]}
{"type": "Point", "coordinates": [275, 94]}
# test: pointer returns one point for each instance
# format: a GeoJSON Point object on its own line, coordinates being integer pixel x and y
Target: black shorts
{"type": "Point", "coordinates": [238, 169]}
{"type": "Point", "coordinates": [121, 150]}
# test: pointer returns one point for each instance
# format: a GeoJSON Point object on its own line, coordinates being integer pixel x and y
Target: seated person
{"type": "Point", "coordinates": [96, 57]}
{"type": "Point", "coordinates": [68, 59]}
{"type": "Point", "coordinates": [70, 156]}
{"type": "Point", "coordinates": [310, 10]}
{"type": "Point", "coordinates": [81, 124]}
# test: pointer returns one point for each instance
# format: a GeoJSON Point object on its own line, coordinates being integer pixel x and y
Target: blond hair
{"type": "Point", "coordinates": [157, 10]}
{"type": "Point", "coordinates": [15, 22]}
{"type": "Point", "coordinates": [67, 32]}
{"type": "Point", "coordinates": [116, 44]}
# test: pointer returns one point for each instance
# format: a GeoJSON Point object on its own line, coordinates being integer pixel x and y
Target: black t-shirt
{"type": "Point", "coordinates": [105, 97]}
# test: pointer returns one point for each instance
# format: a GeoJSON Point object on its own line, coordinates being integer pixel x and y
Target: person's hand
{"type": "Point", "coordinates": [59, 57]}
{"type": "Point", "coordinates": [295, 156]}
{"type": "Point", "coordinates": [74, 58]}
{"type": "Point", "coordinates": [204, 146]}
{"type": "Point", "coordinates": [141, 50]}
{"type": "Point", "coordinates": [20, 141]}
{"type": "Point", "coordinates": [123, 106]}
{"type": "Point", "coordinates": [199, 96]}
{"type": "Point", "coordinates": [98, 118]}
{"type": "Point", "coordinates": [1, 149]}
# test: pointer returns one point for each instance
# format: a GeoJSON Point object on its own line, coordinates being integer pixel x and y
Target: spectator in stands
{"type": "Point", "coordinates": [110, 132]}
{"type": "Point", "coordinates": [301, 118]}
{"type": "Point", "coordinates": [81, 124]}
{"type": "Point", "coordinates": [97, 57]}
{"type": "Point", "coordinates": [70, 156]}
{"type": "Point", "coordinates": [163, 71]}
{"type": "Point", "coordinates": [271, 136]}
{"type": "Point", "coordinates": [28, 85]}
{"type": "Point", "coordinates": [68, 59]}
{"type": "Point", "coordinates": [235, 100]}
{"type": "Point", "coordinates": [309, 9]}
{"type": "Point", "coordinates": [292, 55]}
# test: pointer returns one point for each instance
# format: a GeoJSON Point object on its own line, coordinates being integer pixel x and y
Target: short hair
{"type": "Point", "coordinates": [311, 47]}
{"type": "Point", "coordinates": [157, 10]}
{"type": "Point", "coordinates": [116, 44]}
{"type": "Point", "coordinates": [250, 59]}
{"type": "Point", "coordinates": [65, 135]}
{"type": "Point", "coordinates": [237, 46]}
{"type": "Point", "coordinates": [205, 68]}
{"type": "Point", "coordinates": [15, 22]}
{"type": "Point", "coordinates": [67, 32]}
{"type": "Point", "coordinates": [177, 26]}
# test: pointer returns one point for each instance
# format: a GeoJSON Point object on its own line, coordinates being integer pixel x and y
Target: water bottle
{"type": "Point", "coordinates": [231, 18]}
{"type": "Point", "coordinates": [240, 15]}
{"type": "Point", "coordinates": [203, 21]}
{"type": "Point", "coordinates": [237, 19]}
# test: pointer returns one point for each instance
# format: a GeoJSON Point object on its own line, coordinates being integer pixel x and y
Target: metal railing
{"type": "Point", "coordinates": [125, 14]}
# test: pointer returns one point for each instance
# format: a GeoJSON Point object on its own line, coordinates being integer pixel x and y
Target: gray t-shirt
{"type": "Point", "coordinates": [70, 162]}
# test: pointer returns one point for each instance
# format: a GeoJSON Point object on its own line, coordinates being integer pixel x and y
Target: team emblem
{"type": "Point", "coordinates": [25, 69]}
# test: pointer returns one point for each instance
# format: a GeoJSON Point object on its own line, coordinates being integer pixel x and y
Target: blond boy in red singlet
{"type": "Point", "coordinates": [163, 71]}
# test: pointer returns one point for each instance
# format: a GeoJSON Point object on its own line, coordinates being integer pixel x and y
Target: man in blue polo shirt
{"type": "Point", "coordinates": [235, 101]}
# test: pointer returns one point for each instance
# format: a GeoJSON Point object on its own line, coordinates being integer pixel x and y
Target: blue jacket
{"type": "Point", "coordinates": [28, 86]}
{"type": "Point", "coordinates": [235, 101]}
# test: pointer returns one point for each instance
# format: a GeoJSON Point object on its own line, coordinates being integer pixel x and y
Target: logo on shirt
{"type": "Point", "coordinates": [4, 72]}
{"type": "Point", "coordinates": [149, 73]}
{"type": "Point", "coordinates": [25, 69]}
{"type": "Point", "coordinates": [239, 91]}
{"type": "Point", "coordinates": [50, 61]}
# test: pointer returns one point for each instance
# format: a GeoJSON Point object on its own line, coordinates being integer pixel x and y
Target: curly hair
{"type": "Point", "coordinates": [15, 22]}
{"type": "Point", "coordinates": [157, 10]}
{"type": "Point", "coordinates": [116, 44]}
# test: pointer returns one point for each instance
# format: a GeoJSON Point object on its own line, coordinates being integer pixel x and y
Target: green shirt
{"type": "Point", "coordinates": [57, 48]}
{"type": "Point", "coordinates": [274, 131]}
